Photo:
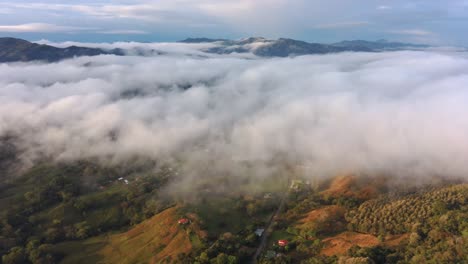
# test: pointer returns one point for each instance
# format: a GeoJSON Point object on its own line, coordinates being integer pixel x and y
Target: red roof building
{"type": "Point", "coordinates": [282, 243]}
{"type": "Point", "coordinates": [183, 221]}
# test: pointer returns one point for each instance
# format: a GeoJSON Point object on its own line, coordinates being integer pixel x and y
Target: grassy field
{"type": "Point", "coordinates": [156, 239]}
{"type": "Point", "coordinates": [82, 252]}
{"type": "Point", "coordinates": [220, 215]}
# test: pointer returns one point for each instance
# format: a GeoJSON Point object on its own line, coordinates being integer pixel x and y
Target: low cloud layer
{"type": "Point", "coordinates": [402, 113]}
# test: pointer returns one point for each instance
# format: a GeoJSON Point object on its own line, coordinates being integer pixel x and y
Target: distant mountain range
{"type": "Point", "coordinates": [13, 49]}
{"type": "Point", "coordinates": [284, 47]}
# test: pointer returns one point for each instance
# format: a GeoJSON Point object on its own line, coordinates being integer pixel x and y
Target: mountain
{"type": "Point", "coordinates": [364, 45]}
{"type": "Point", "coordinates": [13, 49]}
{"type": "Point", "coordinates": [285, 47]}
{"type": "Point", "coordinates": [201, 40]}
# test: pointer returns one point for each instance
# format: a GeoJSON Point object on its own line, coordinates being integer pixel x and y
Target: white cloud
{"type": "Point", "coordinates": [398, 112]}
{"type": "Point", "coordinates": [149, 48]}
{"type": "Point", "coordinates": [271, 18]}
{"type": "Point", "coordinates": [40, 27]}
{"type": "Point", "coordinates": [384, 7]}
{"type": "Point", "coordinates": [342, 25]}
{"type": "Point", "coordinates": [124, 32]}
{"type": "Point", "coordinates": [414, 32]}
{"type": "Point", "coordinates": [237, 8]}
{"type": "Point", "coordinates": [6, 11]}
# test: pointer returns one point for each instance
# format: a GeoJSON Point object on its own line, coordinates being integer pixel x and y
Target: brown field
{"type": "Point", "coordinates": [340, 244]}
{"type": "Point", "coordinates": [394, 240]}
{"type": "Point", "coordinates": [159, 238]}
{"type": "Point", "coordinates": [324, 213]}
{"type": "Point", "coordinates": [352, 186]}
{"type": "Point", "coordinates": [325, 220]}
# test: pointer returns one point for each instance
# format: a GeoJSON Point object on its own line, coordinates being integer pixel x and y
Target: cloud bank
{"type": "Point", "coordinates": [40, 27]}
{"type": "Point", "coordinates": [394, 112]}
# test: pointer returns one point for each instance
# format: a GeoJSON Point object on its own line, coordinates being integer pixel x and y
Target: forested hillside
{"type": "Point", "coordinates": [88, 213]}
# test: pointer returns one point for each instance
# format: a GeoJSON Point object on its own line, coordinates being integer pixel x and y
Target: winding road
{"type": "Point", "coordinates": [269, 228]}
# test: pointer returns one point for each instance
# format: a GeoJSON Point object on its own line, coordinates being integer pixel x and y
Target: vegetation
{"type": "Point", "coordinates": [429, 225]}
{"type": "Point", "coordinates": [88, 213]}
{"type": "Point", "coordinates": [54, 203]}
{"type": "Point", "coordinates": [398, 216]}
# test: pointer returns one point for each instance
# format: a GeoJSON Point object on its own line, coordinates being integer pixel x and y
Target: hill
{"type": "Point", "coordinates": [284, 47]}
{"type": "Point", "coordinates": [158, 239]}
{"type": "Point", "coordinates": [344, 224]}
{"type": "Point", "coordinates": [13, 49]}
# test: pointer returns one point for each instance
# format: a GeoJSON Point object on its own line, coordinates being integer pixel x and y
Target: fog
{"type": "Point", "coordinates": [401, 113]}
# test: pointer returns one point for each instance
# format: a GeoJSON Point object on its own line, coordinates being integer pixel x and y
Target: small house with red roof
{"type": "Point", "coordinates": [282, 243]}
{"type": "Point", "coordinates": [183, 221]}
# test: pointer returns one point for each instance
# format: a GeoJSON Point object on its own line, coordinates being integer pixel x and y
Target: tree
{"type": "Point", "coordinates": [204, 258]}
{"type": "Point", "coordinates": [17, 255]}
{"type": "Point", "coordinates": [82, 230]}
{"type": "Point", "coordinates": [251, 239]}
{"type": "Point", "coordinates": [439, 208]}
{"type": "Point", "coordinates": [32, 250]}
{"type": "Point", "coordinates": [414, 238]}
{"type": "Point", "coordinates": [232, 260]}
{"type": "Point", "coordinates": [252, 208]}
{"type": "Point", "coordinates": [53, 235]}
{"type": "Point", "coordinates": [222, 259]}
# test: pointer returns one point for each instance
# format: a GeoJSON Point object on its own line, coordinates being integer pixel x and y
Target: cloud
{"type": "Point", "coordinates": [163, 11]}
{"type": "Point", "coordinates": [177, 19]}
{"type": "Point", "coordinates": [6, 11]}
{"type": "Point", "coordinates": [236, 119]}
{"type": "Point", "coordinates": [124, 32]}
{"type": "Point", "coordinates": [145, 9]}
{"type": "Point", "coordinates": [384, 7]}
{"type": "Point", "coordinates": [342, 25]}
{"type": "Point", "coordinates": [171, 48]}
{"type": "Point", "coordinates": [40, 27]}
{"type": "Point", "coordinates": [413, 32]}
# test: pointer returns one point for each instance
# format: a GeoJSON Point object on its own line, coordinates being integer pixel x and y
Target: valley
{"type": "Point", "coordinates": [348, 218]}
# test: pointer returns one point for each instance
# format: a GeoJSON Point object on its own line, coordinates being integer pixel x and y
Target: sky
{"type": "Point", "coordinates": [420, 21]}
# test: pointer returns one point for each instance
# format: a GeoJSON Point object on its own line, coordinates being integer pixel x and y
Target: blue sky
{"type": "Point", "coordinates": [440, 22]}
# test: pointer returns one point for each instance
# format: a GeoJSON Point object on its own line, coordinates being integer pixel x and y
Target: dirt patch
{"type": "Point", "coordinates": [353, 186]}
{"type": "Point", "coordinates": [328, 219]}
{"type": "Point", "coordinates": [341, 186]}
{"type": "Point", "coordinates": [327, 213]}
{"type": "Point", "coordinates": [394, 240]}
{"type": "Point", "coordinates": [340, 244]}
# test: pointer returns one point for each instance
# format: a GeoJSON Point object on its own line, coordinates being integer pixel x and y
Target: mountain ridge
{"type": "Point", "coordinates": [285, 47]}
{"type": "Point", "coordinates": [15, 50]}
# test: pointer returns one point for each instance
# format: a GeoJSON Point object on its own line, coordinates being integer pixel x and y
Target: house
{"type": "Point", "coordinates": [282, 243]}
{"type": "Point", "coordinates": [259, 232]}
{"type": "Point", "coordinates": [296, 185]}
{"type": "Point", "coordinates": [183, 221]}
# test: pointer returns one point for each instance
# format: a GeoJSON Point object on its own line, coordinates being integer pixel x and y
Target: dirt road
{"type": "Point", "coordinates": [269, 228]}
